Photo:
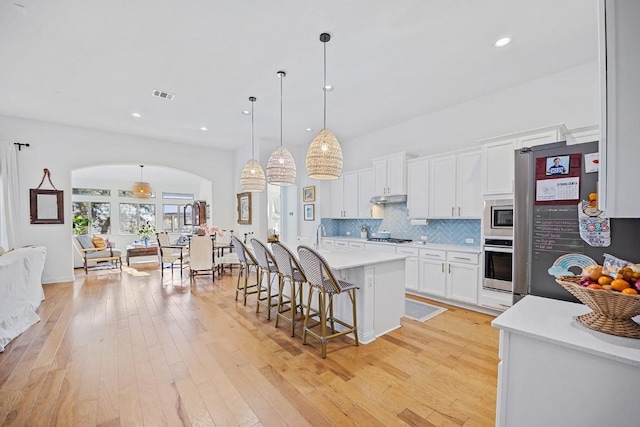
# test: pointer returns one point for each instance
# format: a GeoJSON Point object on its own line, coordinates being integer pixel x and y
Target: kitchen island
{"type": "Point", "coordinates": [556, 372]}
{"type": "Point", "coordinates": [380, 297]}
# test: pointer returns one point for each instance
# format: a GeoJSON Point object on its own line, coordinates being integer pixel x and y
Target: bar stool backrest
{"type": "Point", "coordinates": [263, 255]}
{"type": "Point", "coordinates": [317, 269]}
{"type": "Point", "coordinates": [244, 255]}
{"type": "Point", "coordinates": [287, 262]}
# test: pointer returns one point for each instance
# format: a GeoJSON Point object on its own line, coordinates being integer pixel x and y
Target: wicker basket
{"type": "Point", "coordinates": [612, 311]}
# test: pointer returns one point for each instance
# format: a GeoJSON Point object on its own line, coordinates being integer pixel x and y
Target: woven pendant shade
{"type": "Point", "coordinates": [324, 156]}
{"type": "Point", "coordinates": [252, 177]}
{"type": "Point", "coordinates": [141, 189]}
{"type": "Point", "coordinates": [281, 167]}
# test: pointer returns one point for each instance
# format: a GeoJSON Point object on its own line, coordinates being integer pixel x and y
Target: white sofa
{"type": "Point", "coordinates": [20, 291]}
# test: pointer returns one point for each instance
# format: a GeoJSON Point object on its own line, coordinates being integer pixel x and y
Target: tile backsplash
{"type": "Point", "coordinates": [442, 231]}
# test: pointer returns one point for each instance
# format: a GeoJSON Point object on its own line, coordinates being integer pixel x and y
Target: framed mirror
{"type": "Point", "coordinates": [244, 208]}
{"type": "Point", "coordinates": [47, 206]}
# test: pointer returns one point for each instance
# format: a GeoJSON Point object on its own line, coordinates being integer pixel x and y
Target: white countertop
{"type": "Point", "coordinates": [458, 248]}
{"type": "Point", "coordinates": [553, 321]}
{"type": "Point", "coordinates": [339, 260]}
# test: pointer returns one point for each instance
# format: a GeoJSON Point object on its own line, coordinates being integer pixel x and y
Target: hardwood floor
{"type": "Point", "coordinates": [128, 349]}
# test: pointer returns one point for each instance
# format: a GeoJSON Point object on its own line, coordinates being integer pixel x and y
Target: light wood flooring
{"type": "Point", "coordinates": [131, 349]}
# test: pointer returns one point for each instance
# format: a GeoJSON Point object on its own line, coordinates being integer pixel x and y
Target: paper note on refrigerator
{"type": "Point", "coordinates": [557, 189]}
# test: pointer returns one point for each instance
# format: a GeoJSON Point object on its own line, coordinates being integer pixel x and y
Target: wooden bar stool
{"type": "Point", "coordinates": [290, 271]}
{"type": "Point", "coordinates": [247, 261]}
{"type": "Point", "coordinates": [324, 283]}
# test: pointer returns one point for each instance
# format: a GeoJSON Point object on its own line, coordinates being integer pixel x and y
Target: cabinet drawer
{"type": "Point", "coordinates": [433, 254]}
{"type": "Point", "coordinates": [463, 257]}
{"type": "Point", "coordinates": [341, 244]}
{"type": "Point", "coordinates": [408, 251]}
{"type": "Point", "coordinates": [356, 245]}
{"type": "Point", "coordinates": [328, 243]}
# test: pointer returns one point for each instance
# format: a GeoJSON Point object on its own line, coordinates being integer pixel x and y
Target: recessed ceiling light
{"type": "Point", "coordinates": [328, 88]}
{"type": "Point", "coordinates": [203, 128]}
{"type": "Point", "coordinates": [503, 42]}
{"type": "Point", "coordinates": [136, 115]}
{"type": "Point", "coordinates": [309, 130]}
{"type": "Point", "coordinates": [246, 112]}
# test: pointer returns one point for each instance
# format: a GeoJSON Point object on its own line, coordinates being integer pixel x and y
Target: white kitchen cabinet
{"type": "Point", "coordinates": [417, 188]}
{"type": "Point", "coordinates": [432, 277]}
{"type": "Point", "coordinates": [359, 246]}
{"type": "Point", "coordinates": [498, 156]}
{"type": "Point", "coordinates": [341, 245]}
{"type": "Point", "coordinates": [454, 185]}
{"type": "Point", "coordinates": [365, 192]}
{"type": "Point", "coordinates": [619, 58]}
{"type": "Point", "coordinates": [380, 247]}
{"type": "Point", "coordinates": [390, 175]}
{"type": "Point", "coordinates": [412, 274]}
{"type": "Point", "coordinates": [344, 196]}
{"type": "Point", "coordinates": [463, 275]}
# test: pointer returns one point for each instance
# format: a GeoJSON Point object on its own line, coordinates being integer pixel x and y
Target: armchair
{"type": "Point", "coordinates": [90, 253]}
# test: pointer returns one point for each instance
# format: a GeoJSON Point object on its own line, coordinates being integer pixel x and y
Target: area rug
{"type": "Point", "coordinates": [420, 311]}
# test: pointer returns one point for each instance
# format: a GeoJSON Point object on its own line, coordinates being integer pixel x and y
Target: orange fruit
{"type": "Point", "coordinates": [594, 286]}
{"type": "Point", "coordinates": [620, 284]}
{"type": "Point", "coordinates": [605, 280]}
{"type": "Point", "coordinates": [593, 196]}
{"type": "Point", "coordinates": [629, 291]}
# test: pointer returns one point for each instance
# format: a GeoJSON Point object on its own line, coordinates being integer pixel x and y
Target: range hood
{"type": "Point", "coordinates": [397, 198]}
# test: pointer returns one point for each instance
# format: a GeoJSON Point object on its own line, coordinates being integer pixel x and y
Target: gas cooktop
{"type": "Point", "coordinates": [388, 240]}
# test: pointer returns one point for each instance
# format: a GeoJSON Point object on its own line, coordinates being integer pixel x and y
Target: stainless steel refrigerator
{"type": "Point", "coordinates": [545, 229]}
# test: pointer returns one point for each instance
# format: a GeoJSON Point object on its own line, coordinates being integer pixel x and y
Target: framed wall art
{"type": "Point", "coordinates": [47, 206]}
{"type": "Point", "coordinates": [309, 212]}
{"type": "Point", "coordinates": [244, 208]}
{"type": "Point", "coordinates": [309, 194]}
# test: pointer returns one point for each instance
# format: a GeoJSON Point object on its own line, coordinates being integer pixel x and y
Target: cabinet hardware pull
{"type": "Point", "coordinates": [449, 268]}
{"type": "Point", "coordinates": [504, 305]}
{"type": "Point", "coordinates": [442, 267]}
{"type": "Point", "coordinates": [458, 210]}
{"type": "Point", "coordinates": [459, 257]}
{"type": "Point", "coordinates": [452, 211]}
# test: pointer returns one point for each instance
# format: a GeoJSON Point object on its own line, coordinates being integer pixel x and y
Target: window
{"type": "Point", "coordinates": [184, 196]}
{"type": "Point", "coordinates": [173, 218]}
{"type": "Point", "coordinates": [134, 214]}
{"type": "Point", "coordinates": [98, 212]}
{"type": "Point", "coordinates": [90, 192]}
{"type": "Point", "coordinates": [129, 193]}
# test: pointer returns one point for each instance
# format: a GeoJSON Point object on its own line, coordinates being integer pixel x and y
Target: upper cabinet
{"type": "Point", "coordinates": [390, 175]}
{"type": "Point", "coordinates": [417, 184]}
{"type": "Point", "coordinates": [366, 209]}
{"type": "Point", "coordinates": [498, 156]}
{"type": "Point", "coordinates": [619, 32]}
{"type": "Point", "coordinates": [454, 185]}
{"type": "Point", "coordinates": [350, 195]}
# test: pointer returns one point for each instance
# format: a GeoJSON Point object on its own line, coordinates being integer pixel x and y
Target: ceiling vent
{"type": "Point", "coordinates": [164, 95]}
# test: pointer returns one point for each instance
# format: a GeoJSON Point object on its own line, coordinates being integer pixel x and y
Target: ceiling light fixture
{"type": "Point", "coordinates": [203, 128]}
{"type": "Point", "coordinates": [324, 156]}
{"type": "Point", "coordinates": [136, 115]}
{"type": "Point", "coordinates": [246, 112]}
{"type": "Point", "coordinates": [281, 167]}
{"type": "Point", "coordinates": [141, 189]}
{"type": "Point", "coordinates": [252, 176]}
{"type": "Point", "coordinates": [309, 130]}
{"type": "Point", "coordinates": [502, 42]}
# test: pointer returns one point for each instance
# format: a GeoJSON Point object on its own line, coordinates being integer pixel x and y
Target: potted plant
{"type": "Point", "coordinates": [80, 224]}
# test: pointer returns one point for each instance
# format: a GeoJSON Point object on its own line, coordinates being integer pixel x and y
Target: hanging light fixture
{"type": "Point", "coordinates": [141, 189]}
{"type": "Point", "coordinates": [324, 156]}
{"type": "Point", "coordinates": [281, 167]}
{"type": "Point", "coordinates": [252, 176]}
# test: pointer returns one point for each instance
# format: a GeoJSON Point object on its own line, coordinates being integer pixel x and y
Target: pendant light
{"type": "Point", "coordinates": [141, 189]}
{"type": "Point", "coordinates": [252, 176]}
{"type": "Point", "coordinates": [281, 167]}
{"type": "Point", "coordinates": [324, 156]}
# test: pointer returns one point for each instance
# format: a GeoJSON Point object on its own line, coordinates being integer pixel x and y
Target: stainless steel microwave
{"type": "Point", "coordinates": [498, 217]}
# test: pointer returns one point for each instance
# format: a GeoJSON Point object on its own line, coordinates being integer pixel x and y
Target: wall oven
{"type": "Point", "coordinates": [498, 265]}
{"type": "Point", "coordinates": [498, 217]}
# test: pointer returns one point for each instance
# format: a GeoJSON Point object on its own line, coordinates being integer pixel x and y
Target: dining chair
{"type": "Point", "coordinates": [268, 270]}
{"type": "Point", "coordinates": [326, 285]}
{"type": "Point", "coordinates": [170, 255]}
{"type": "Point", "coordinates": [201, 257]}
{"type": "Point", "coordinates": [291, 272]}
{"type": "Point", "coordinates": [247, 262]}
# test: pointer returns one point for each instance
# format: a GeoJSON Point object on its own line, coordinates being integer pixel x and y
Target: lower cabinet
{"type": "Point", "coordinates": [432, 277]}
{"type": "Point", "coordinates": [451, 275]}
{"type": "Point", "coordinates": [412, 274]}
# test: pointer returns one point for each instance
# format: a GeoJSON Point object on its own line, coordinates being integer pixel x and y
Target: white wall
{"type": "Point", "coordinates": [63, 148]}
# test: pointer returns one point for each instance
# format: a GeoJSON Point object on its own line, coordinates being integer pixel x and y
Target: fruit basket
{"type": "Point", "coordinates": [612, 311]}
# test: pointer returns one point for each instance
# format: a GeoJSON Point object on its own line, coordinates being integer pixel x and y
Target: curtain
{"type": "Point", "coordinates": [10, 234]}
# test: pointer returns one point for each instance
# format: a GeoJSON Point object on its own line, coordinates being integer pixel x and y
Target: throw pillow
{"type": "Point", "coordinates": [85, 241]}
{"type": "Point", "coordinates": [99, 243]}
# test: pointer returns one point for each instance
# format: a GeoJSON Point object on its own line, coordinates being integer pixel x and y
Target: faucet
{"type": "Point", "coordinates": [319, 232]}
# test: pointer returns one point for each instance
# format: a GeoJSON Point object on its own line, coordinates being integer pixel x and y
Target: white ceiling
{"type": "Point", "coordinates": [92, 63]}
{"type": "Point", "coordinates": [130, 173]}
